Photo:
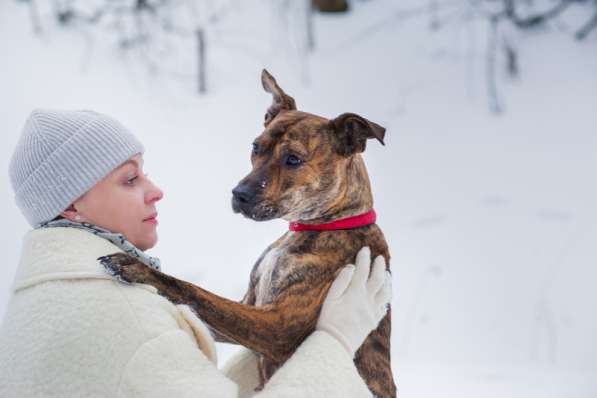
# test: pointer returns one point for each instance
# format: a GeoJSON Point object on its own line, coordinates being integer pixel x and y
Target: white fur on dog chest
{"type": "Point", "coordinates": [265, 271]}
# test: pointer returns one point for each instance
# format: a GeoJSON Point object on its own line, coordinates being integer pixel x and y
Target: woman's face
{"type": "Point", "coordinates": [124, 201]}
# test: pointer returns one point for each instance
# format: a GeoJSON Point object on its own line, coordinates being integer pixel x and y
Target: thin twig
{"type": "Point", "coordinates": [392, 18]}
{"type": "Point", "coordinates": [309, 27]}
{"type": "Point", "coordinates": [587, 28]}
{"type": "Point", "coordinates": [33, 13]}
{"type": "Point", "coordinates": [433, 17]}
{"type": "Point", "coordinates": [201, 61]}
{"type": "Point", "coordinates": [492, 44]}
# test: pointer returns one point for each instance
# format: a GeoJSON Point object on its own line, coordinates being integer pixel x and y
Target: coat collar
{"type": "Point", "coordinates": [61, 253]}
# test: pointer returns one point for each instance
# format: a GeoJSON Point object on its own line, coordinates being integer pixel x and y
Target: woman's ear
{"type": "Point", "coordinates": [71, 213]}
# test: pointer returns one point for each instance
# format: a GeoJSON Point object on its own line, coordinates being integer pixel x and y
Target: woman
{"type": "Point", "coordinates": [70, 330]}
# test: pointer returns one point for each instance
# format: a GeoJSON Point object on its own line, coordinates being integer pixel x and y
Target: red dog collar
{"type": "Point", "coordinates": [360, 220]}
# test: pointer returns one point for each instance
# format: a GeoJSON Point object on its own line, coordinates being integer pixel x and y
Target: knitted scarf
{"type": "Point", "coordinates": [116, 238]}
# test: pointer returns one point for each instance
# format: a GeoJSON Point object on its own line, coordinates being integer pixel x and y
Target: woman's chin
{"type": "Point", "coordinates": [147, 242]}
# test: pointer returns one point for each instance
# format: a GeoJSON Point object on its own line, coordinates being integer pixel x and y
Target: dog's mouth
{"type": "Point", "coordinates": [258, 211]}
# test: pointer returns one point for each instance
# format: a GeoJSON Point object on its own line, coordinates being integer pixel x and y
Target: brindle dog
{"type": "Point", "coordinates": [305, 168]}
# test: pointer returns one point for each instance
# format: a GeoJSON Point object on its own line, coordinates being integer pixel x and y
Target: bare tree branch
{"type": "Point", "coordinates": [535, 20]}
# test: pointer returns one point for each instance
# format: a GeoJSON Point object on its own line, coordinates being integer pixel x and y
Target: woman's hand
{"type": "Point", "coordinates": [356, 302]}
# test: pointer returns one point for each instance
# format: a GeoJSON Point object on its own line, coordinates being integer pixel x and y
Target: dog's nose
{"type": "Point", "coordinates": [243, 193]}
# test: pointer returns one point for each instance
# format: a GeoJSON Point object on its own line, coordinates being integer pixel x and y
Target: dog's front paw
{"type": "Point", "coordinates": [121, 266]}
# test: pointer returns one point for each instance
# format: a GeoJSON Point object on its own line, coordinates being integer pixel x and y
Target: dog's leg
{"type": "Point", "coordinates": [248, 299]}
{"type": "Point", "coordinates": [273, 330]}
{"type": "Point", "coordinates": [266, 369]}
{"type": "Point", "coordinates": [373, 360]}
{"type": "Point", "coordinates": [219, 337]}
{"type": "Point", "coordinates": [261, 368]}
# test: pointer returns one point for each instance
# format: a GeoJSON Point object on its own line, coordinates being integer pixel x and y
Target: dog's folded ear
{"type": "Point", "coordinates": [281, 101]}
{"type": "Point", "coordinates": [351, 132]}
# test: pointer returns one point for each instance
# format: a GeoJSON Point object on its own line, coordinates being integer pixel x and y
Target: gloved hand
{"type": "Point", "coordinates": [356, 302]}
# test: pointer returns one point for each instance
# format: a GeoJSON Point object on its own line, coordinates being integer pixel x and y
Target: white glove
{"type": "Point", "coordinates": [355, 303]}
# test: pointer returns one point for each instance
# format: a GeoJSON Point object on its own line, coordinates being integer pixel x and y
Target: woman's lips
{"type": "Point", "coordinates": [152, 219]}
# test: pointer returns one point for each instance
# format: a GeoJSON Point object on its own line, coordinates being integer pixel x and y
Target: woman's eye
{"type": "Point", "coordinates": [292, 161]}
{"type": "Point", "coordinates": [131, 180]}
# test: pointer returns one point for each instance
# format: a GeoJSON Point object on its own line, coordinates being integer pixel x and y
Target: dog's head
{"type": "Point", "coordinates": [305, 167]}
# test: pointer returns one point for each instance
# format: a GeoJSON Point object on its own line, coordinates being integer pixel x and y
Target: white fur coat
{"type": "Point", "coordinates": [70, 330]}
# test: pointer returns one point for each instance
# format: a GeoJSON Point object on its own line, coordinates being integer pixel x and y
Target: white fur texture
{"type": "Point", "coordinates": [70, 330]}
{"type": "Point", "coordinates": [265, 270]}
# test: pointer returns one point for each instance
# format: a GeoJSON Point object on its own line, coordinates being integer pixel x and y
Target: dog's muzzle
{"type": "Point", "coordinates": [246, 200]}
{"type": "Point", "coordinates": [243, 194]}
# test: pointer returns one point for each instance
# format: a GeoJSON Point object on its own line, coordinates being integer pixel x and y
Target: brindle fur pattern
{"type": "Point", "coordinates": [325, 185]}
{"type": "Point", "coordinates": [291, 278]}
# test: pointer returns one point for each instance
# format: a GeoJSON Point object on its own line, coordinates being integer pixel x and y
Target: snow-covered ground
{"type": "Point", "coordinates": [491, 221]}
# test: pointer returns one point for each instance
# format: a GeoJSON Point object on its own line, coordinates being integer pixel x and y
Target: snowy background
{"type": "Point", "coordinates": [491, 219]}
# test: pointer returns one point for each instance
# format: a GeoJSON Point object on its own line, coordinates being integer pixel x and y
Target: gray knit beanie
{"type": "Point", "coordinates": [61, 155]}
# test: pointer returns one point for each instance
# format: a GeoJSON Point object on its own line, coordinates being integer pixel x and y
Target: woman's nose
{"type": "Point", "coordinates": [155, 194]}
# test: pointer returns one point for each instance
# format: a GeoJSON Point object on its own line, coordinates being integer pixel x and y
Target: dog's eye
{"type": "Point", "coordinates": [292, 161]}
{"type": "Point", "coordinates": [255, 149]}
